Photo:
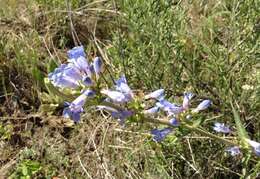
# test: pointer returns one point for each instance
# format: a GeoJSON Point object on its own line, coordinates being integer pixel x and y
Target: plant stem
{"type": "Point", "coordinates": [167, 122]}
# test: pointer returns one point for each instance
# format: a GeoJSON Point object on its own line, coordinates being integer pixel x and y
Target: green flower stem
{"type": "Point", "coordinates": [166, 122]}
{"type": "Point", "coordinates": [195, 129]}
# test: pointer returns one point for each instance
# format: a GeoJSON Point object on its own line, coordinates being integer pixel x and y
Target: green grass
{"type": "Point", "coordinates": [208, 47]}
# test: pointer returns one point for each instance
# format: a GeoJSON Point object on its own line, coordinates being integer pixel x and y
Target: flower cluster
{"type": "Point", "coordinates": [77, 72]}
{"type": "Point", "coordinates": [79, 75]}
{"type": "Point", "coordinates": [172, 110]}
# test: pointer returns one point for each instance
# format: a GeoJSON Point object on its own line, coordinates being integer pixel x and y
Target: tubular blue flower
{"type": "Point", "coordinates": [220, 127]}
{"type": "Point", "coordinates": [122, 79]}
{"type": "Point", "coordinates": [122, 94]}
{"type": "Point", "coordinates": [65, 76]}
{"type": "Point", "coordinates": [202, 106]}
{"type": "Point", "coordinates": [160, 134]}
{"type": "Point", "coordinates": [174, 122]}
{"type": "Point", "coordinates": [97, 64]}
{"type": "Point", "coordinates": [233, 150]}
{"type": "Point", "coordinates": [186, 100]}
{"type": "Point", "coordinates": [152, 110]}
{"type": "Point", "coordinates": [158, 94]}
{"type": "Point", "coordinates": [170, 108]}
{"type": "Point", "coordinates": [115, 96]}
{"type": "Point", "coordinates": [74, 109]}
{"type": "Point", "coordinates": [122, 86]}
{"type": "Point", "coordinates": [255, 145]}
{"type": "Point", "coordinates": [81, 64]}
{"type": "Point", "coordinates": [76, 52]}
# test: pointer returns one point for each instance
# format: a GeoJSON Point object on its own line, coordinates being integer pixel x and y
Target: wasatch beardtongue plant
{"type": "Point", "coordinates": [121, 103]}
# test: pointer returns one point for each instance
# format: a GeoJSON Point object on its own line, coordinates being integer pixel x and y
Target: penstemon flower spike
{"type": "Point", "coordinates": [121, 102]}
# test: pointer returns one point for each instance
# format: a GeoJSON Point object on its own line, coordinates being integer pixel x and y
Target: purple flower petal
{"type": "Point", "coordinates": [65, 82]}
{"type": "Point", "coordinates": [158, 94]}
{"type": "Point", "coordinates": [220, 127]}
{"type": "Point", "coordinates": [122, 79]}
{"type": "Point", "coordinates": [202, 106]}
{"type": "Point", "coordinates": [65, 76]}
{"type": "Point", "coordinates": [121, 86]}
{"type": "Point", "coordinates": [160, 134]}
{"type": "Point", "coordinates": [115, 96]}
{"type": "Point", "coordinates": [97, 64]}
{"type": "Point", "coordinates": [76, 52]}
{"type": "Point", "coordinates": [169, 107]}
{"type": "Point", "coordinates": [81, 64]}
{"type": "Point", "coordinates": [186, 100]}
{"type": "Point", "coordinates": [75, 108]}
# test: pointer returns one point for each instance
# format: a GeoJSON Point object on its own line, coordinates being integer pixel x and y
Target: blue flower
{"type": "Point", "coordinates": [65, 76]}
{"type": "Point", "coordinates": [81, 64]}
{"type": "Point", "coordinates": [202, 106]}
{"type": "Point", "coordinates": [122, 86]}
{"type": "Point", "coordinates": [74, 109]}
{"type": "Point", "coordinates": [152, 110]}
{"type": "Point", "coordinates": [97, 65]}
{"type": "Point", "coordinates": [160, 134]}
{"type": "Point", "coordinates": [170, 108]}
{"type": "Point", "coordinates": [220, 127]}
{"type": "Point", "coordinates": [158, 94]}
{"type": "Point", "coordinates": [122, 94]}
{"type": "Point", "coordinates": [186, 100]}
{"type": "Point", "coordinates": [76, 52]}
{"type": "Point", "coordinates": [255, 145]}
{"type": "Point", "coordinates": [174, 122]}
{"type": "Point", "coordinates": [115, 96]}
{"type": "Point", "coordinates": [233, 150]}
